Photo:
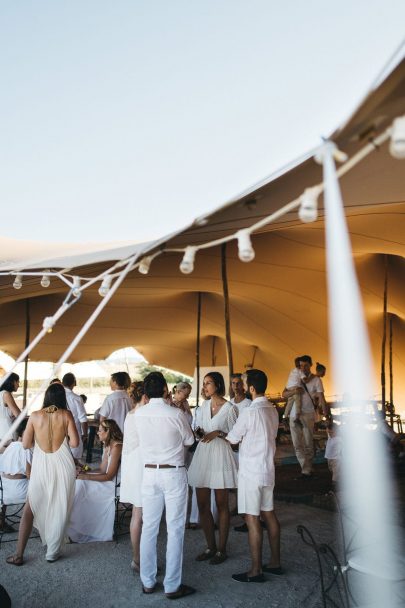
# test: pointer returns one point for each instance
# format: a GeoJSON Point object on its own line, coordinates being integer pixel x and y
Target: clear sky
{"type": "Point", "coordinates": [127, 119]}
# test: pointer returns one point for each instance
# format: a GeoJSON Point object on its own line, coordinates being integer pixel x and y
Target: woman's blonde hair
{"type": "Point", "coordinates": [113, 430]}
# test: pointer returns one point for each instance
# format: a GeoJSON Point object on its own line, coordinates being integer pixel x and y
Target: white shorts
{"type": "Point", "coordinates": [253, 498]}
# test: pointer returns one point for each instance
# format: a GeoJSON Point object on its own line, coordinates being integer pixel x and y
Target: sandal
{"type": "Point", "coordinates": [135, 566]}
{"type": "Point", "coordinates": [15, 560]}
{"type": "Point", "coordinates": [218, 558]}
{"type": "Point", "coordinates": [207, 554]}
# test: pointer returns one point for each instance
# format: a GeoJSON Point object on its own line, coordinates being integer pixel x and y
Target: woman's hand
{"type": "Point", "coordinates": [210, 436]}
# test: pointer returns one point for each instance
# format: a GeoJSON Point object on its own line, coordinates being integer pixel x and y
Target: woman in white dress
{"type": "Point", "coordinates": [93, 512]}
{"type": "Point", "coordinates": [213, 466]}
{"type": "Point", "coordinates": [52, 481]}
{"type": "Point", "coordinates": [9, 410]}
{"type": "Point", "coordinates": [131, 475]}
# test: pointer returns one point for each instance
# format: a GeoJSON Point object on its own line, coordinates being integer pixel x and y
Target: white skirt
{"type": "Point", "coordinates": [92, 516]}
{"type": "Point", "coordinates": [213, 466]}
{"type": "Point", "coordinates": [131, 478]}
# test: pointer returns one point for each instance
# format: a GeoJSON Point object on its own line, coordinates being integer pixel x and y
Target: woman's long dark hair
{"type": "Point", "coordinates": [219, 382]}
{"type": "Point", "coordinates": [55, 395]}
{"type": "Point", "coordinates": [8, 385]}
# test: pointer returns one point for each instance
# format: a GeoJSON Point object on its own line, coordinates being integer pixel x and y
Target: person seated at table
{"type": "Point", "coordinates": [15, 469]}
{"type": "Point", "coordinates": [92, 516]}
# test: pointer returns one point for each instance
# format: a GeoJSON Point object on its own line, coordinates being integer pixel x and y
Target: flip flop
{"type": "Point", "coordinates": [182, 591]}
{"type": "Point", "coordinates": [15, 560]}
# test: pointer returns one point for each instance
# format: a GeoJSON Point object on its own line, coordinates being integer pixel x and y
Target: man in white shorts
{"type": "Point", "coordinates": [257, 426]}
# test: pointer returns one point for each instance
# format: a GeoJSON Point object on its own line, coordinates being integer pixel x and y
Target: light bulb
{"type": "Point", "coordinates": [397, 144]}
{"type": "Point", "coordinates": [308, 211]}
{"type": "Point", "coordinates": [187, 263]}
{"type": "Point", "coordinates": [105, 286]}
{"type": "Point", "coordinates": [48, 324]}
{"type": "Point", "coordinates": [17, 281]}
{"type": "Point", "coordinates": [76, 287]}
{"type": "Point", "coordinates": [245, 249]}
{"type": "Point", "coordinates": [45, 281]}
{"type": "Point", "coordinates": [144, 264]}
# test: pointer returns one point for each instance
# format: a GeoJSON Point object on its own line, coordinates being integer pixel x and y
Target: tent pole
{"type": "Point", "coordinates": [392, 409]}
{"type": "Point", "coordinates": [384, 337]}
{"type": "Point", "coordinates": [27, 341]}
{"type": "Point", "coordinates": [226, 308]}
{"type": "Point", "coordinates": [213, 357]}
{"type": "Point", "coordinates": [197, 349]}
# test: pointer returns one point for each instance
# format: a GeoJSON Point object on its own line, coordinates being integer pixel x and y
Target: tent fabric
{"type": "Point", "coordinates": [278, 302]}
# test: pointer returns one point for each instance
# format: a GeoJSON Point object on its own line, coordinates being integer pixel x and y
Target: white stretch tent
{"type": "Point", "coordinates": [278, 306]}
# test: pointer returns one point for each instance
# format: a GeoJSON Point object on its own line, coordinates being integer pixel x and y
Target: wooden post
{"type": "Point", "coordinates": [392, 408]}
{"type": "Point", "coordinates": [197, 348]}
{"type": "Point", "coordinates": [384, 336]}
{"type": "Point", "coordinates": [226, 309]}
{"type": "Point", "coordinates": [213, 356]}
{"type": "Point", "coordinates": [27, 341]}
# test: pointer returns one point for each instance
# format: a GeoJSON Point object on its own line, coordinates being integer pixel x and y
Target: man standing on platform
{"type": "Point", "coordinates": [162, 432]}
{"type": "Point", "coordinates": [76, 406]}
{"type": "Point", "coordinates": [257, 428]}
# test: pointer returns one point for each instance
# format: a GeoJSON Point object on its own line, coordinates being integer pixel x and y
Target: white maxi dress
{"type": "Point", "coordinates": [131, 465]}
{"type": "Point", "coordinates": [6, 419]}
{"type": "Point", "coordinates": [213, 465]}
{"type": "Point", "coordinates": [50, 495]}
{"type": "Point", "coordinates": [93, 512]}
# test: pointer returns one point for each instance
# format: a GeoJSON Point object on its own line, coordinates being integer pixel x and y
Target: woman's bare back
{"type": "Point", "coordinates": [49, 427]}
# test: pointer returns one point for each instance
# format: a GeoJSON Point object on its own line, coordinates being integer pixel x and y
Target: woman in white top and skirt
{"type": "Point", "coordinates": [213, 466]}
{"type": "Point", "coordinates": [9, 410]}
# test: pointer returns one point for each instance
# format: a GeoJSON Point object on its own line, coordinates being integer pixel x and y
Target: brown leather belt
{"type": "Point", "coordinates": [16, 476]}
{"type": "Point", "coordinates": [164, 466]}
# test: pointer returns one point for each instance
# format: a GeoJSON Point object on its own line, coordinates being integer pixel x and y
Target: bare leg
{"type": "Point", "coordinates": [206, 519]}
{"type": "Point", "coordinates": [25, 530]}
{"type": "Point", "coordinates": [273, 531]}
{"type": "Point", "coordinates": [222, 500]}
{"type": "Point", "coordinates": [135, 530]}
{"type": "Point", "coordinates": [255, 543]}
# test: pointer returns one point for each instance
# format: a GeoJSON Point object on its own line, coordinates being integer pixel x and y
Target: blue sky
{"type": "Point", "coordinates": [127, 119]}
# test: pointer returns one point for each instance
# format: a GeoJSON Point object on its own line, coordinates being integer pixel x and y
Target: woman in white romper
{"type": "Point", "coordinates": [9, 410]}
{"type": "Point", "coordinates": [213, 466]}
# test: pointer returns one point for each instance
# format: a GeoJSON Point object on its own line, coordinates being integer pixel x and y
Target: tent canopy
{"type": "Point", "coordinates": [278, 304]}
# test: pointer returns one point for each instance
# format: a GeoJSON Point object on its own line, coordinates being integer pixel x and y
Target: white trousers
{"type": "Point", "coordinates": [163, 488]}
{"type": "Point", "coordinates": [303, 442]}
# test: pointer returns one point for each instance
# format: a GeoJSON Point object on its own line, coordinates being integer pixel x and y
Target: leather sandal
{"type": "Point", "coordinates": [218, 558]}
{"type": "Point", "coordinates": [207, 554]}
{"type": "Point", "coordinates": [15, 560]}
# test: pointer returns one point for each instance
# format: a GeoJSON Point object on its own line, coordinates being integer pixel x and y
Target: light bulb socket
{"type": "Point", "coordinates": [144, 264]}
{"type": "Point", "coordinates": [105, 286]}
{"type": "Point", "coordinates": [308, 211]}
{"type": "Point", "coordinates": [45, 281]}
{"type": "Point", "coordinates": [187, 263]}
{"type": "Point", "coordinates": [245, 250]}
{"type": "Point", "coordinates": [397, 143]}
{"type": "Point", "coordinates": [17, 284]}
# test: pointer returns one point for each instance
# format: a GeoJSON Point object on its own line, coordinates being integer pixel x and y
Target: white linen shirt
{"type": "Point", "coordinates": [257, 426]}
{"type": "Point", "coordinates": [314, 386]}
{"type": "Point", "coordinates": [76, 406]}
{"type": "Point", "coordinates": [241, 405]}
{"type": "Point", "coordinates": [294, 378]}
{"type": "Point", "coordinates": [162, 431]}
{"type": "Point", "coordinates": [116, 406]}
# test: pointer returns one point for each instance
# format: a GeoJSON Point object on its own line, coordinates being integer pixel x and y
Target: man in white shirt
{"type": "Point", "coordinates": [162, 432]}
{"type": "Point", "coordinates": [76, 406]}
{"type": "Point", "coordinates": [311, 391]}
{"type": "Point", "coordinates": [117, 405]}
{"type": "Point", "coordinates": [257, 428]}
{"type": "Point", "coordinates": [239, 398]}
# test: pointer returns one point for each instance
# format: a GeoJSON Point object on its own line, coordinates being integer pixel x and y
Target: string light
{"type": "Point", "coordinates": [144, 264]}
{"type": "Point", "coordinates": [17, 281]}
{"type": "Point", "coordinates": [48, 324]}
{"type": "Point", "coordinates": [105, 286]}
{"type": "Point", "coordinates": [245, 249]}
{"type": "Point", "coordinates": [397, 144]}
{"type": "Point", "coordinates": [76, 287]}
{"type": "Point", "coordinates": [45, 281]}
{"type": "Point", "coordinates": [308, 211]}
{"type": "Point", "coordinates": [187, 263]}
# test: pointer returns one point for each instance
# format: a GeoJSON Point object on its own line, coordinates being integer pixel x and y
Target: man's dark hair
{"type": "Point", "coordinates": [84, 398]}
{"type": "Point", "coordinates": [8, 385]}
{"type": "Point", "coordinates": [154, 385]}
{"type": "Point", "coordinates": [297, 361]}
{"type": "Point", "coordinates": [55, 395]}
{"type": "Point", "coordinates": [22, 426]}
{"type": "Point", "coordinates": [122, 379]}
{"type": "Point", "coordinates": [320, 367]}
{"type": "Point", "coordinates": [219, 382]}
{"type": "Point", "coordinates": [69, 380]}
{"type": "Point", "coordinates": [306, 359]}
{"type": "Point", "coordinates": [257, 379]}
